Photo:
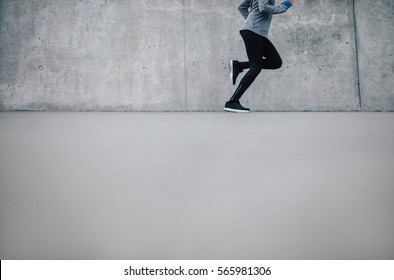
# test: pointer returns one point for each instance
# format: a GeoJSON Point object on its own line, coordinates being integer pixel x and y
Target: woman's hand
{"type": "Point", "coordinates": [288, 3]}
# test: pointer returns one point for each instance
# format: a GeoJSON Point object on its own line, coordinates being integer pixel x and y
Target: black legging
{"type": "Point", "coordinates": [257, 47]}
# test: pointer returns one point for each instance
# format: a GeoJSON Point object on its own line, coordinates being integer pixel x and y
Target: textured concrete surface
{"type": "Point", "coordinates": [92, 55]}
{"type": "Point", "coordinates": [316, 42]}
{"type": "Point", "coordinates": [172, 55]}
{"type": "Point", "coordinates": [196, 186]}
{"type": "Point", "coordinates": [375, 25]}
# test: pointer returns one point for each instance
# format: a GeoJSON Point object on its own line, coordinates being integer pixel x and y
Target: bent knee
{"type": "Point", "coordinates": [278, 64]}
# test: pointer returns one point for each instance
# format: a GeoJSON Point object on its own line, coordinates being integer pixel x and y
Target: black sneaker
{"type": "Point", "coordinates": [235, 69]}
{"type": "Point", "coordinates": [235, 107]}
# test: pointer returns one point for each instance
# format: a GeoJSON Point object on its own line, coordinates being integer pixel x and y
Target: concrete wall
{"type": "Point", "coordinates": [375, 30]}
{"type": "Point", "coordinates": [172, 55]}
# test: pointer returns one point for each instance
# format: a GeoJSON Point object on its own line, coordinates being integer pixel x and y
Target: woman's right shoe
{"type": "Point", "coordinates": [235, 107]}
{"type": "Point", "coordinates": [235, 69]}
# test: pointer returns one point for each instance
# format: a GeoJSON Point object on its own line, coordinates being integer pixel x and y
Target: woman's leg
{"type": "Point", "coordinates": [254, 45]}
{"type": "Point", "coordinates": [262, 54]}
{"type": "Point", "coordinates": [272, 59]}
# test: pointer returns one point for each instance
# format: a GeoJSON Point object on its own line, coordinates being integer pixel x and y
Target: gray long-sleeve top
{"type": "Point", "coordinates": [258, 15]}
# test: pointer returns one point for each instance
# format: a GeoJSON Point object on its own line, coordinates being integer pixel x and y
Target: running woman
{"type": "Point", "coordinates": [261, 52]}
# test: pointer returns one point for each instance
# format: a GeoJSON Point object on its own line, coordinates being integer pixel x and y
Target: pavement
{"type": "Point", "coordinates": [196, 185]}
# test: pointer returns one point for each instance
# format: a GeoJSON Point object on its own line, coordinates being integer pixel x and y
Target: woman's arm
{"type": "Point", "coordinates": [244, 8]}
{"type": "Point", "coordinates": [266, 8]}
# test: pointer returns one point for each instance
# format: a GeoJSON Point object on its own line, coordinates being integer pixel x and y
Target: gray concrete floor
{"type": "Point", "coordinates": [196, 186]}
